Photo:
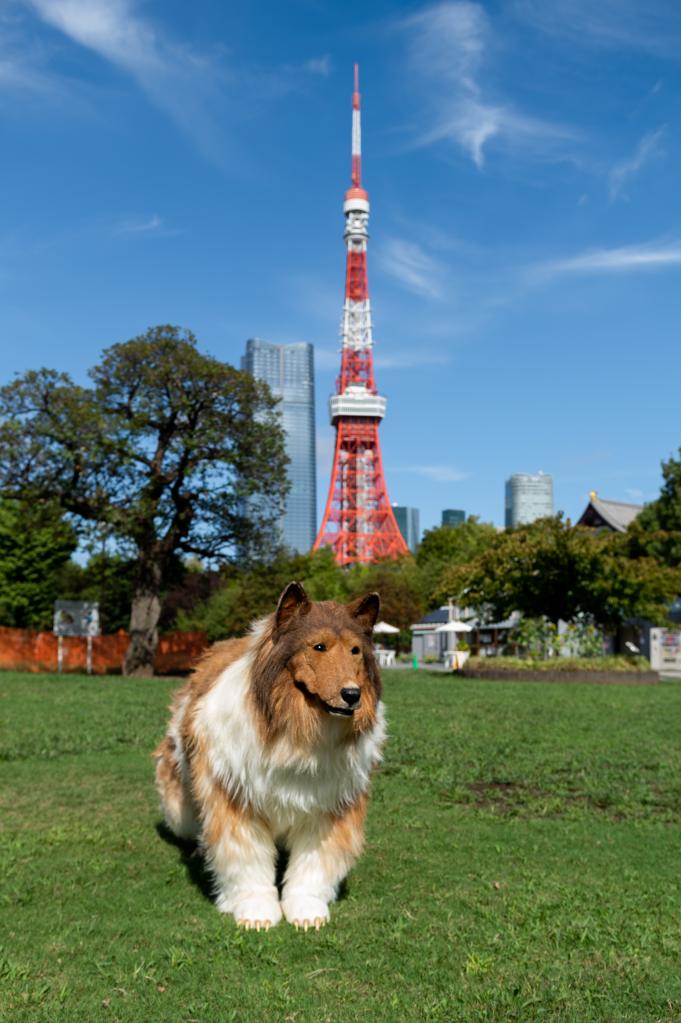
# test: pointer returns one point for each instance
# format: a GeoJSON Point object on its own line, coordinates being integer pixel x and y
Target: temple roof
{"type": "Point", "coordinates": [614, 515]}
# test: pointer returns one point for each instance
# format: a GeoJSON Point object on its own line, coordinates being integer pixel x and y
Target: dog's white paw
{"type": "Point", "coordinates": [305, 911]}
{"type": "Point", "coordinates": [252, 912]}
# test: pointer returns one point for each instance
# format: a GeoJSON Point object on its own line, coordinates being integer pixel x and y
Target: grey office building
{"type": "Point", "coordinates": [408, 521]}
{"type": "Point", "coordinates": [453, 517]}
{"type": "Point", "coordinates": [289, 372]}
{"type": "Point", "coordinates": [528, 498]}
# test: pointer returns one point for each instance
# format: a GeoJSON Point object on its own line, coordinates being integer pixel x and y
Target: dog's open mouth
{"type": "Point", "coordinates": [345, 712]}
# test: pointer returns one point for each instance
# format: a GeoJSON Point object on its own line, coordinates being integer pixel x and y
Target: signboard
{"type": "Point", "coordinates": [665, 650]}
{"type": "Point", "coordinates": [75, 618]}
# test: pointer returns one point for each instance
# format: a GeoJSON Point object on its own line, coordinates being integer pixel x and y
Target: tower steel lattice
{"type": "Point", "coordinates": [358, 521]}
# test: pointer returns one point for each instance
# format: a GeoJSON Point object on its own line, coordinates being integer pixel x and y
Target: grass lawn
{"type": "Point", "coordinates": [523, 863]}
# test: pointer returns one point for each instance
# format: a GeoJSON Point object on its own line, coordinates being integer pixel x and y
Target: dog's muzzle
{"type": "Point", "coordinates": [351, 696]}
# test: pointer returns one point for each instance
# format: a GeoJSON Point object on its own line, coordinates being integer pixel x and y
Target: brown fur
{"type": "Point", "coordinates": [168, 778]}
{"type": "Point", "coordinates": [293, 688]}
{"type": "Point", "coordinates": [286, 656]}
{"type": "Point", "coordinates": [345, 837]}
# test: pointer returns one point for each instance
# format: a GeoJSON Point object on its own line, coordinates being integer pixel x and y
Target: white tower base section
{"type": "Point", "coordinates": [356, 401]}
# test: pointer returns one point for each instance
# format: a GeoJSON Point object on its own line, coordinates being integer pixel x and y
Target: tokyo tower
{"type": "Point", "coordinates": [358, 520]}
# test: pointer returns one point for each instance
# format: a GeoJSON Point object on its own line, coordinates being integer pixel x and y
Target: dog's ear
{"type": "Point", "coordinates": [365, 611]}
{"type": "Point", "coordinates": [292, 602]}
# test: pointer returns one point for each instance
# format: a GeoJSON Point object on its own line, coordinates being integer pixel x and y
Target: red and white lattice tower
{"type": "Point", "coordinates": [358, 520]}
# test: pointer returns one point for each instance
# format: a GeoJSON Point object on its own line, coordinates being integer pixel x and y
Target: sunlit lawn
{"type": "Point", "coordinates": [523, 863]}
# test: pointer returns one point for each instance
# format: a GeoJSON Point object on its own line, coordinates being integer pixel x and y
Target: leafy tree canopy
{"type": "Point", "coordinates": [554, 569]}
{"type": "Point", "coordinates": [446, 546]}
{"type": "Point", "coordinates": [174, 451]}
{"type": "Point", "coordinates": [35, 544]}
{"type": "Point", "coordinates": [657, 530]}
{"type": "Point", "coordinates": [246, 593]}
{"type": "Point", "coordinates": [400, 585]}
{"type": "Point", "coordinates": [108, 580]}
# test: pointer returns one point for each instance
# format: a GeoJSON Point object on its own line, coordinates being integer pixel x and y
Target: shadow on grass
{"type": "Point", "coordinates": [191, 859]}
{"type": "Point", "coordinates": [198, 873]}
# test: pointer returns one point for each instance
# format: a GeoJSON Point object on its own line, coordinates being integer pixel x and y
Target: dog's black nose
{"type": "Point", "coordinates": [351, 695]}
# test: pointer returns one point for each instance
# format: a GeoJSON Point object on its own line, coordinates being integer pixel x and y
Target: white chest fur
{"type": "Point", "coordinates": [280, 782]}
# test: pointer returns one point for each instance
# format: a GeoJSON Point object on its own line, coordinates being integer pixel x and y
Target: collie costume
{"type": "Point", "coordinates": [271, 743]}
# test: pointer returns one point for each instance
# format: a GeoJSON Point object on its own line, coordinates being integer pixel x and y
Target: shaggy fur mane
{"type": "Point", "coordinates": [277, 654]}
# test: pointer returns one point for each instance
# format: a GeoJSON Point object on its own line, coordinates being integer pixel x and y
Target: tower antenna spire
{"type": "Point", "coordinates": [359, 523]}
{"type": "Point", "coordinates": [356, 134]}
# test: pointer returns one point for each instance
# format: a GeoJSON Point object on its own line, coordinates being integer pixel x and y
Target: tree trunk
{"type": "Point", "coordinates": [144, 616]}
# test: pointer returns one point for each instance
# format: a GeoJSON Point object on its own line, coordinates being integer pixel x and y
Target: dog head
{"type": "Point", "coordinates": [318, 661]}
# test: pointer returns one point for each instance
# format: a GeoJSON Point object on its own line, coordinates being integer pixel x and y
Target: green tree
{"type": "Point", "coordinates": [665, 512]}
{"type": "Point", "coordinates": [173, 451]}
{"type": "Point", "coordinates": [247, 593]}
{"type": "Point", "coordinates": [399, 583]}
{"type": "Point", "coordinates": [538, 637]}
{"type": "Point", "coordinates": [446, 546]}
{"type": "Point", "coordinates": [657, 530]}
{"type": "Point", "coordinates": [553, 569]}
{"type": "Point", "coordinates": [35, 544]}
{"type": "Point", "coordinates": [108, 580]}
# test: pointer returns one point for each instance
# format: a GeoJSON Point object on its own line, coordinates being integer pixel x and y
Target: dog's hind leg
{"type": "Point", "coordinates": [321, 854]}
{"type": "Point", "coordinates": [176, 799]}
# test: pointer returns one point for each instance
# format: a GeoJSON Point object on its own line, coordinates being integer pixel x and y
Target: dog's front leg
{"type": "Point", "coordinates": [242, 856]}
{"type": "Point", "coordinates": [322, 851]}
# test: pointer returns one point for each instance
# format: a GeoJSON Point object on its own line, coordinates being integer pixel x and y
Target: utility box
{"type": "Point", "coordinates": [665, 650]}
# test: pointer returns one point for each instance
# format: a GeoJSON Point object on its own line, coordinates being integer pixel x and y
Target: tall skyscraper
{"type": "Point", "coordinates": [358, 521]}
{"type": "Point", "coordinates": [528, 498]}
{"type": "Point", "coordinates": [453, 517]}
{"type": "Point", "coordinates": [289, 372]}
{"type": "Point", "coordinates": [408, 521]}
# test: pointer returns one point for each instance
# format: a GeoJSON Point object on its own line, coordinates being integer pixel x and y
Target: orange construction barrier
{"type": "Point", "coordinates": [26, 650]}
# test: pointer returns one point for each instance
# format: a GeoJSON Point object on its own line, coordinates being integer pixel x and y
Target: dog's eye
{"type": "Point", "coordinates": [355, 650]}
{"type": "Point", "coordinates": [320, 646]}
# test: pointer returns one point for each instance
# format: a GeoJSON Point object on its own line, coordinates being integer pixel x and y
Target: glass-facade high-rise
{"type": "Point", "coordinates": [528, 497]}
{"type": "Point", "coordinates": [408, 521]}
{"type": "Point", "coordinates": [453, 517]}
{"type": "Point", "coordinates": [289, 372]}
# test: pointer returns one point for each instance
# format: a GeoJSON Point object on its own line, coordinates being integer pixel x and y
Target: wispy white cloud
{"type": "Point", "coordinates": [110, 27]}
{"type": "Point", "coordinates": [142, 226]}
{"type": "Point", "coordinates": [473, 123]}
{"type": "Point", "coordinates": [17, 74]}
{"type": "Point", "coordinates": [647, 256]}
{"type": "Point", "coordinates": [178, 80]}
{"type": "Point", "coordinates": [650, 25]}
{"type": "Point", "coordinates": [626, 170]}
{"type": "Point", "coordinates": [24, 63]}
{"type": "Point", "coordinates": [449, 41]}
{"type": "Point", "coordinates": [409, 264]}
{"type": "Point", "coordinates": [449, 46]}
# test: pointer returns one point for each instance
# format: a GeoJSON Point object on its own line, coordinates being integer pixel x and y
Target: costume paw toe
{"type": "Point", "coordinates": [306, 912]}
{"type": "Point", "coordinates": [256, 912]}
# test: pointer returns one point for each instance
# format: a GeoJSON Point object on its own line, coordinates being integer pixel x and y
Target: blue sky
{"type": "Point", "coordinates": [185, 163]}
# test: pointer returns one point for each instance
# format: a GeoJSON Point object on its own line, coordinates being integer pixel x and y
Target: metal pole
{"type": "Point", "coordinates": [89, 655]}
{"type": "Point", "coordinates": [60, 653]}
